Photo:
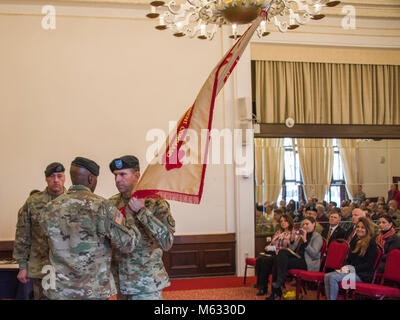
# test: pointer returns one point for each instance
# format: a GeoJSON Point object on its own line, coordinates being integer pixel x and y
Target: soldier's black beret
{"type": "Point", "coordinates": [88, 164]}
{"type": "Point", "coordinates": [125, 162]}
{"type": "Point", "coordinates": [53, 167]}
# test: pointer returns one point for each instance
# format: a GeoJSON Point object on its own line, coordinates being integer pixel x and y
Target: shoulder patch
{"type": "Point", "coordinates": [119, 217]}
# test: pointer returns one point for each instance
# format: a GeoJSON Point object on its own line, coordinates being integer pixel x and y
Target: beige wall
{"type": "Point", "coordinates": [379, 162]}
{"type": "Point", "coordinates": [94, 87]}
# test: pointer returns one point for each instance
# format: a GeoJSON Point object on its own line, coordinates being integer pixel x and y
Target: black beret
{"type": "Point", "coordinates": [88, 164]}
{"type": "Point", "coordinates": [125, 162]}
{"type": "Point", "coordinates": [53, 167]}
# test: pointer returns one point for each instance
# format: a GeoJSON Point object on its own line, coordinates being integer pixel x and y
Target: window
{"type": "Point", "coordinates": [292, 179]}
{"type": "Point", "coordinates": [292, 185]}
{"type": "Point", "coordinates": [337, 191]}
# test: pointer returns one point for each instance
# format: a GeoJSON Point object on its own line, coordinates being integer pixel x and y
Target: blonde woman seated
{"type": "Point", "coordinates": [304, 253]}
{"type": "Point", "coordinates": [360, 260]}
{"type": "Point", "coordinates": [281, 239]}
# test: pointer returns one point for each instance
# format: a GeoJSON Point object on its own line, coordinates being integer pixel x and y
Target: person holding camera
{"type": "Point", "coordinates": [303, 254]}
{"type": "Point", "coordinates": [281, 239]}
{"type": "Point", "coordinates": [360, 260]}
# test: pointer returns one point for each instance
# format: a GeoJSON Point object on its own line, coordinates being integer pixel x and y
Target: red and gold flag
{"type": "Point", "coordinates": [170, 176]}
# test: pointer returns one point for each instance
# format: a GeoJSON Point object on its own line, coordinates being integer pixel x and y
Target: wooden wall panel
{"type": "Point", "coordinates": [190, 256]}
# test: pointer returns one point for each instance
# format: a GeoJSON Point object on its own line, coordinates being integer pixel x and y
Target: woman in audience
{"type": "Point", "coordinates": [360, 260]}
{"type": "Point", "coordinates": [281, 239]}
{"type": "Point", "coordinates": [304, 253]}
{"type": "Point", "coordinates": [290, 208]}
{"type": "Point", "coordinates": [387, 239]}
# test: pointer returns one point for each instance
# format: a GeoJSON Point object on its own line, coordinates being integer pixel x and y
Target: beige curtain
{"type": "Point", "coordinates": [327, 93]}
{"type": "Point", "coordinates": [269, 161]}
{"type": "Point", "coordinates": [316, 162]}
{"type": "Point", "coordinates": [348, 150]}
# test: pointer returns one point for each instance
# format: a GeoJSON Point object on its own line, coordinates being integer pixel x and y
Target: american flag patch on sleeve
{"type": "Point", "coordinates": [119, 217]}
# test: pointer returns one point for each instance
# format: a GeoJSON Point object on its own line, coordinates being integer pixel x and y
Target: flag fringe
{"type": "Point", "coordinates": [168, 195]}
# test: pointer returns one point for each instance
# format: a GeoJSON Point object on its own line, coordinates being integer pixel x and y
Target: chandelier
{"type": "Point", "coordinates": [201, 18]}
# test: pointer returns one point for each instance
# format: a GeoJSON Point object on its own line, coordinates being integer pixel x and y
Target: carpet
{"type": "Point", "coordinates": [209, 283]}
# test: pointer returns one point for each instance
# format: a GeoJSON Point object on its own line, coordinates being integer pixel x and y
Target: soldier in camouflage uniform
{"type": "Point", "coordinates": [142, 274]}
{"type": "Point", "coordinates": [81, 228]}
{"type": "Point", "coordinates": [30, 247]}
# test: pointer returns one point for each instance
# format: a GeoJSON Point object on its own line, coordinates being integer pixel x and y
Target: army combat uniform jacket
{"type": "Point", "coordinates": [142, 270]}
{"type": "Point", "coordinates": [81, 228]}
{"type": "Point", "coordinates": [30, 247]}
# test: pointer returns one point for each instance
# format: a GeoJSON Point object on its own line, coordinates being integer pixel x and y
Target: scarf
{"type": "Point", "coordinates": [381, 238]}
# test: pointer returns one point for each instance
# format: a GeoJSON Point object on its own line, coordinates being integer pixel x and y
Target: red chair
{"type": "Point", "coordinates": [376, 265]}
{"type": "Point", "coordinates": [251, 263]}
{"type": "Point", "coordinates": [295, 272]}
{"type": "Point", "coordinates": [335, 257]}
{"type": "Point", "coordinates": [380, 291]}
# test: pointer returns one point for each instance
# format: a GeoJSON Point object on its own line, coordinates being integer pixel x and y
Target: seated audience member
{"type": "Point", "coordinates": [331, 206]}
{"type": "Point", "coordinates": [322, 218]}
{"type": "Point", "coordinates": [360, 195]}
{"type": "Point", "coordinates": [282, 206]}
{"type": "Point", "coordinates": [363, 205]}
{"type": "Point", "coordinates": [312, 212]}
{"type": "Point", "coordinates": [276, 220]}
{"type": "Point", "coordinates": [281, 239]}
{"type": "Point", "coordinates": [380, 211]}
{"type": "Point", "coordinates": [261, 207]}
{"type": "Point", "coordinates": [393, 211]}
{"type": "Point", "coordinates": [351, 235]}
{"type": "Point", "coordinates": [387, 239]}
{"type": "Point", "coordinates": [360, 260]}
{"type": "Point", "coordinates": [335, 231]}
{"type": "Point", "coordinates": [290, 208]}
{"type": "Point", "coordinates": [304, 253]}
{"type": "Point", "coordinates": [262, 223]}
{"type": "Point", "coordinates": [346, 218]}
{"type": "Point", "coordinates": [381, 199]}
{"type": "Point", "coordinates": [299, 213]}
{"type": "Point", "coordinates": [394, 194]}
{"type": "Point", "coordinates": [372, 206]}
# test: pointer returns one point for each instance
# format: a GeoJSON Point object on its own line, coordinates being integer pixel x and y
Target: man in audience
{"type": "Point", "coordinates": [335, 231]}
{"type": "Point", "coordinates": [380, 211]}
{"type": "Point", "coordinates": [360, 195]}
{"type": "Point", "coordinates": [30, 246]}
{"type": "Point", "coordinates": [346, 218]}
{"type": "Point", "coordinates": [331, 206]}
{"type": "Point", "coordinates": [394, 212]}
{"type": "Point", "coordinates": [350, 234]}
{"type": "Point", "coordinates": [312, 212]}
{"type": "Point", "coordinates": [322, 218]}
{"type": "Point", "coordinates": [282, 206]}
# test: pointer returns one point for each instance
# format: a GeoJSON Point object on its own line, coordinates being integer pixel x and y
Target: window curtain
{"type": "Point", "coordinates": [316, 162]}
{"type": "Point", "coordinates": [327, 93]}
{"type": "Point", "coordinates": [269, 161]}
{"type": "Point", "coordinates": [348, 150]}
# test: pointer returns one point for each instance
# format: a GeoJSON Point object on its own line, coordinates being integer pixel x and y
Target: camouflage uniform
{"type": "Point", "coordinates": [81, 227]}
{"type": "Point", "coordinates": [117, 201]}
{"type": "Point", "coordinates": [30, 247]}
{"type": "Point", "coordinates": [142, 274]}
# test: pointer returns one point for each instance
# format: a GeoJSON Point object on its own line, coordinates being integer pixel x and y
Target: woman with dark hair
{"type": "Point", "coordinates": [290, 208]}
{"type": "Point", "coordinates": [281, 239]}
{"type": "Point", "coordinates": [387, 239]}
{"type": "Point", "coordinates": [360, 260]}
{"type": "Point", "coordinates": [304, 253]}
